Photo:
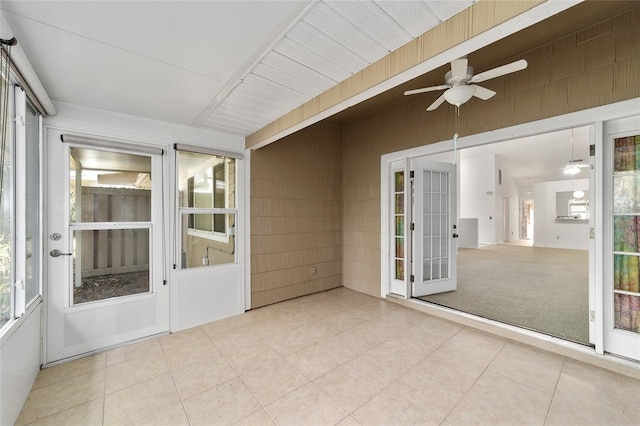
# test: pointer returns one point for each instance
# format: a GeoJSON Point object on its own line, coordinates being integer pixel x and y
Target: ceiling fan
{"type": "Point", "coordinates": [459, 87]}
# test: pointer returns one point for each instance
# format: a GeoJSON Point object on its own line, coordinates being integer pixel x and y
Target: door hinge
{"type": "Point", "coordinates": [592, 316]}
{"type": "Point", "coordinates": [412, 278]}
{"type": "Point", "coordinates": [412, 226]}
{"type": "Point", "coordinates": [592, 150]}
{"type": "Point", "coordinates": [592, 233]}
{"type": "Point", "coordinates": [164, 282]}
{"type": "Point", "coordinates": [412, 174]}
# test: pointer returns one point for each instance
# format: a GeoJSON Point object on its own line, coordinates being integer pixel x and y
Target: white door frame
{"type": "Point", "coordinates": [105, 314]}
{"type": "Point", "coordinates": [422, 286]}
{"type": "Point", "coordinates": [591, 117]}
{"type": "Point", "coordinates": [616, 341]}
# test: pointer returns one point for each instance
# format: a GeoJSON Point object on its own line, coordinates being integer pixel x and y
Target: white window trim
{"type": "Point", "coordinates": [180, 211]}
{"type": "Point", "coordinates": [20, 308]}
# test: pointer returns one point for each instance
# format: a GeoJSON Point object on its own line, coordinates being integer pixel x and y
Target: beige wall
{"type": "Point", "coordinates": [594, 67]}
{"type": "Point", "coordinates": [315, 195]}
{"type": "Point", "coordinates": [296, 216]}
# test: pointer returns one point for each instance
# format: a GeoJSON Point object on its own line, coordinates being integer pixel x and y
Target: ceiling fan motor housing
{"type": "Point", "coordinates": [451, 81]}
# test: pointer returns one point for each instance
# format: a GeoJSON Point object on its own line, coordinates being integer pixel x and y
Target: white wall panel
{"type": "Point", "coordinates": [19, 366]}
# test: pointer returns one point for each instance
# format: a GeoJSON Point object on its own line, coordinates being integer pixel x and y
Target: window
{"type": "Point", "coordinates": [207, 208]}
{"type": "Point", "coordinates": [20, 223]}
{"type": "Point", "coordinates": [398, 215]}
{"type": "Point", "coordinates": [32, 202]}
{"type": "Point", "coordinates": [6, 206]}
{"type": "Point", "coordinates": [208, 189]}
{"type": "Point", "coordinates": [111, 220]}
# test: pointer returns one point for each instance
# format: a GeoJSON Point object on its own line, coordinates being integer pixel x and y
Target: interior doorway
{"type": "Point", "coordinates": [534, 281]}
{"type": "Point", "coordinates": [526, 220]}
{"type": "Point", "coordinates": [506, 232]}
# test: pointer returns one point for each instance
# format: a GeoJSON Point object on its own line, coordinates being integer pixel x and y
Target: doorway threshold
{"type": "Point", "coordinates": [573, 350]}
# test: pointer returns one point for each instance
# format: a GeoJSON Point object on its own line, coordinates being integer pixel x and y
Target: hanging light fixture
{"type": "Point", "coordinates": [578, 194]}
{"type": "Point", "coordinates": [458, 95]}
{"type": "Point", "coordinates": [573, 166]}
{"type": "Point", "coordinates": [571, 170]}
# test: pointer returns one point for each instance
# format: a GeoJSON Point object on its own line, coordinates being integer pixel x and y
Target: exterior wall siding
{"type": "Point", "coordinates": [296, 216]}
{"type": "Point", "coordinates": [302, 216]}
{"type": "Point", "coordinates": [596, 66]}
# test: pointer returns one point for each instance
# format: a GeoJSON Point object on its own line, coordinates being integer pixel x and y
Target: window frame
{"type": "Point", "coordinates": [192, 228]}
{"type": "Point", "coordinates": [18, 105]}
{"type": "Point", "coordinates": [227, 210]}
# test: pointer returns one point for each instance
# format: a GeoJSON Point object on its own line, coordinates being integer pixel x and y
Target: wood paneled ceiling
{"type": "Point", "coordinates": [513, 47]}
{"type": "Point", "coordinates": [227, 65]}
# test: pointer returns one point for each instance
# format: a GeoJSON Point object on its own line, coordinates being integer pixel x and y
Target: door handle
{"type": "Point", "coordinates": [56, 253]}
{"type": "Point", "coordinates": [455, 235]}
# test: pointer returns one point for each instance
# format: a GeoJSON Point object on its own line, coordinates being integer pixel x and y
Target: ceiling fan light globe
{"type": "Point", "coordinates": [572, 170]}
{"type": "Point", "coordinates": [458, 95]}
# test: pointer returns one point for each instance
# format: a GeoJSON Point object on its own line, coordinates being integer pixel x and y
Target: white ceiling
{"type": "Point", "coordinates": [230, 65]}
{"type": "Point", "coordinates": [534, 159]}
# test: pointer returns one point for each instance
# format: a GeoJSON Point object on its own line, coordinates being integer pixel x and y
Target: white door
{"type": "Point", "coordinates": [104, 247]}
{"type": "Point", "coordinates": [622, 245]}
{"type": "Point", "coordinates": [435, 228]}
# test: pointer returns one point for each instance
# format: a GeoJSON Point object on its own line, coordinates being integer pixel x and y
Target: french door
{"type": "Point", "coordinates": [622, 276]}
{"type": "Point", "coordinates": [104, 246]}
{"type": "Point", "coordinates": [434, 224]}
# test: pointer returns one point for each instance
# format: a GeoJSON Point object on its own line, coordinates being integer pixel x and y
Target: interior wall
{"type": "Point", "coordinates": [593, 67]}
{"type": "Point", "coordinates": [296, 216]}
{"type": "Point", "coordinates": [506, 187]}
{"type": "Point", "coordinates": [478, 197]}
{"type": "Point", "coordinates": [19, 365]}
{"type": "Point", "coordinates": [547, 232]}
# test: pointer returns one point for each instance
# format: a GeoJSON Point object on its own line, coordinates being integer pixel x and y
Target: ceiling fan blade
{"type": "Point", "coordinates": [499, 71]}
{"type": "Point", "coordinates": [437, 103]}
{"type": "Point", "coordinates": [483, 93]}
{"type": "Point", "coordinates": [426, 89]}
{"type": "Point", "coordinates": [459, 69]}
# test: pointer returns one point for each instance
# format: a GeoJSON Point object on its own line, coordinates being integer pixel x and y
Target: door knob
{"type": "Point", "coordinates": [56, 253]}
{"type": "Point", "coordinates": [455, 235]}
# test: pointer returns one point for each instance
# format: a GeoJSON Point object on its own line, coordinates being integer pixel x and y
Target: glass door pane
{"type": "Point", "coordinates": [6, 214]}
{"type": "Point", "coordinates": [435, 226]}
{"type": "Point", "coordinates": [32, 225]}
{"type": "Point", "coordinates": [110, 263]}
{"type": "Point", "coordinates": [626, 227]}
{"type": "Point", "coordinates": [110, 209]}
{"type": "Point", "coordinates": [399, 225]}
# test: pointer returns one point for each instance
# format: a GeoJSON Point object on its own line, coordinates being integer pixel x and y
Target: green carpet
{"type": "Point", "coordinates": [541, 289]}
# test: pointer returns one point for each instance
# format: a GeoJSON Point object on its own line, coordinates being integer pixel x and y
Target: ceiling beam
{"type": "Point", "coordinates": [485, 22]}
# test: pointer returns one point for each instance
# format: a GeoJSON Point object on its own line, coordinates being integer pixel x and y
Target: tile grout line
{"type": "Point", "coordinates": [555, 389]}
{"type": "Point", "coordinates": [425, 357]}
{"type": "Point", "coordinates": [173, 379]}
{"type": "Point", "coordinates": [240, 377]}
{"type": "Point", "coordinates": [475, 381]}
{"type": "Point", "coordinates": [68, 408]}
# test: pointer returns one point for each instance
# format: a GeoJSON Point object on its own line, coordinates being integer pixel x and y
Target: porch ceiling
{"type": "Point", "coordinates": [583, 15]}
{"type": "Point", "coordinates": [230, 65]}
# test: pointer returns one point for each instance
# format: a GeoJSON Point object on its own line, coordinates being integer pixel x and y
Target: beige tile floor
{"type": "Point", "coordinates": [337, 357]}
